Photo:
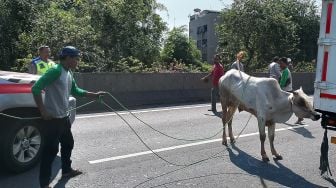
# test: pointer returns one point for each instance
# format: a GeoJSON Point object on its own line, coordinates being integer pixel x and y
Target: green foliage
{"type": "Point", "coordinates": [21, 65]}
{"type": "Point", "coordinates": [16, 16]}
{"type": "Point", "coordinates": [305, 67]}
{"type": "Point", "coordinates": [266, 28]}
{"type": "Point", "coordinates": [205, 67]}
{"type": "Point", "coordinates": [62, 25]}
{"type": "Point", "coordinates": [157, 66]}
{"type": "Point", "coordinates": [105, 31]}
{"type": "Point", "coordinates": [86, 67]}
{"type": "Point", "coordinates": [126, 35]}
{"type": "Point", "coordinates": [129, 28]}
{"type": "Point", "coordinates": [179, 46]}
{"type": "Point", "coordinates": [129, 64]}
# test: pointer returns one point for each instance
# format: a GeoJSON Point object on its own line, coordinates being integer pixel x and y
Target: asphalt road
{"type": "Point", "coordinates": [111, 155]}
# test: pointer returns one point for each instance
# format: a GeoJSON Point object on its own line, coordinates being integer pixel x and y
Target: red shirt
{"type": "Point", "coordinates": [217, 72]}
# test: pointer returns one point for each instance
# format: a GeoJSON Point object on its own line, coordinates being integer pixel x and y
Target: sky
{"type": "Point", "coordinates": [179, 10]}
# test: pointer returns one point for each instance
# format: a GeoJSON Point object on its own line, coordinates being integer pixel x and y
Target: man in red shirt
{"type": "Point", "coordinates": [216, 73]}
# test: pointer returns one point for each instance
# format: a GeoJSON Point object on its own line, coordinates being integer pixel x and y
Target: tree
{"type": "Point", "coordinates": [16, 16]}
{"type": "Point", "coordinates": [265, 28]}
{"type": "Point", "coordinates": [179, 47]}
{"type": "Point", "coordinates": [105, 31]}
{"type": "Point", "coordinates": [129, 28]}
{"type": "Point", "coordinates": [305, 14]}
{"type": "Point", "coordinates": [60, 24]}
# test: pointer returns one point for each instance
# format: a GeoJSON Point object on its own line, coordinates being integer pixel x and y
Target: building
{"type": "Point", "coordinates": [202, 29]}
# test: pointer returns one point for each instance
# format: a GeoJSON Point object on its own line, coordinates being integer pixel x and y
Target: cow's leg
{"type": "Point", "coordinates": [271, 134]}
{"type": "Point", "coordinates": [262, 135]}
{"type": "Point", "coordinates": [224, 120]}
{"type": "Point", "coordinates": [231, 112]}
{"type": "Point", "coordinates": [224, 142]}
{"type": "Point", "coordinates": [232, 139]}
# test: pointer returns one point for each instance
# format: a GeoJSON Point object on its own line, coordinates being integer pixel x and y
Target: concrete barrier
{"type": "Point", "coordinates": [138, 89]}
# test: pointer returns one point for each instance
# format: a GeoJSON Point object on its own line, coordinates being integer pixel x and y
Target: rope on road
{"type": "Point", "coordinates": [150, 149]}
{"type": "Point", "coordinates": [165, 134]}
{"type": "Point", "coordinates": [175, 170]}
{"type": "Point", "coordinates": [139, 137]}
{"type": "Point", "coordinates": [197, 162]}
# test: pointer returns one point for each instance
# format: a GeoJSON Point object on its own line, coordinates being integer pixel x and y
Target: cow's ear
{"type": "Point", "coordinates": [296, 93]}
{"type": "Point", "coordinates": [301, 88]}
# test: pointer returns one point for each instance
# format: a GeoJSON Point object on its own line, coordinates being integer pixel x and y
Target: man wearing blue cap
{"type": "Point", "coordinates": [58, 83]}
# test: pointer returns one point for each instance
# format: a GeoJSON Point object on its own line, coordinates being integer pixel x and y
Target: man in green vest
{"type": "Point", "coordinates": [41, 64]}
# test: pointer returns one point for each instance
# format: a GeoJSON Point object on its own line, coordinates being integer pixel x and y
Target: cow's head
{"type": "Point", "coordinates": [302, 107]}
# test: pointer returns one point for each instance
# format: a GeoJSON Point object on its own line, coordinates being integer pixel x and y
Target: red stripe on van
{"type": "Point", "coordinates": [15, 88]}
{"type": "Point", "coordinates": [325, 66]}
{"type": "Point", "coordinates": [328, 96]}
{"type": "Point", "coordinates": [329, 13]}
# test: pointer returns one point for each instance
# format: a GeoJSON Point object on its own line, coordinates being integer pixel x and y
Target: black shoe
{"type": "Point", "coordinates": [213, 110]}
{"type": "Point", "coordinates": [72, 173]}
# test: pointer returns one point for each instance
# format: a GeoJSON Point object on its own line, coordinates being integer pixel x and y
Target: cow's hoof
{"type": "Point", "coordinates": [224, 143]}
{"type": "Point", "coordinates": [232, 141]}
{"type": "Point", "coordinates": [265, 159]}
{"type": "Point", "coordinates": [278, 157]}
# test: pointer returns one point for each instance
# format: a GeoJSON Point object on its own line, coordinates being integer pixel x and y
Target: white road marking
{"type": "Point", "coordinates": [138, 112]}
{"type": "Point", "coordinates": [180, 146]}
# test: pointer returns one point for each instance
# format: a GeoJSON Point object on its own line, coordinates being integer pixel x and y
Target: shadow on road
{"type": "Point", "coordinates": [27, 179]}
{"type": "Point", "coordinates": [267, 171]}
{"type": "Point", "coordinates": [302, 131]}
{"type": "Point", "coordinates": [330, 180]}
{"type": "Point", "coordinates": [62, 182]}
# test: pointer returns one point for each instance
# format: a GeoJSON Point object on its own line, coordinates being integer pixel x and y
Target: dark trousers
{"type": "Point", "coordinates": [55, 131]}
{"type": "Point", "coordinates": [214, 97]}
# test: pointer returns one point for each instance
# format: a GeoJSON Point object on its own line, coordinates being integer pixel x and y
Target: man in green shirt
{"type": "Point", "coordinates": [58, 84]}
{"type": "Point", "coordinates": [286, 80]}
{"type": "Point", "coordinates": [286, 76]}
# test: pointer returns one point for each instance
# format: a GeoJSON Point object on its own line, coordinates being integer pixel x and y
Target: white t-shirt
{"type": "Point", "coordinates": [274, 71]}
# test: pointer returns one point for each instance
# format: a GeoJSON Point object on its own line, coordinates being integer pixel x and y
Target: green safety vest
{"type": "Point", "coordinates": [42, 66]}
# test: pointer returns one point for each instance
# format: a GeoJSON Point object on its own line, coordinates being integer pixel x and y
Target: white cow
{"type": "Point", "coordinates": [264, 99]}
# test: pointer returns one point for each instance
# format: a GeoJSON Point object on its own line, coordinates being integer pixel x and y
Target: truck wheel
{"type": "Point", "coordinates": [22, 145]}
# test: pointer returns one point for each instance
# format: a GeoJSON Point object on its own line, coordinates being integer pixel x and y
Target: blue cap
{"type": "Point", "coordinates": [69, 51]}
